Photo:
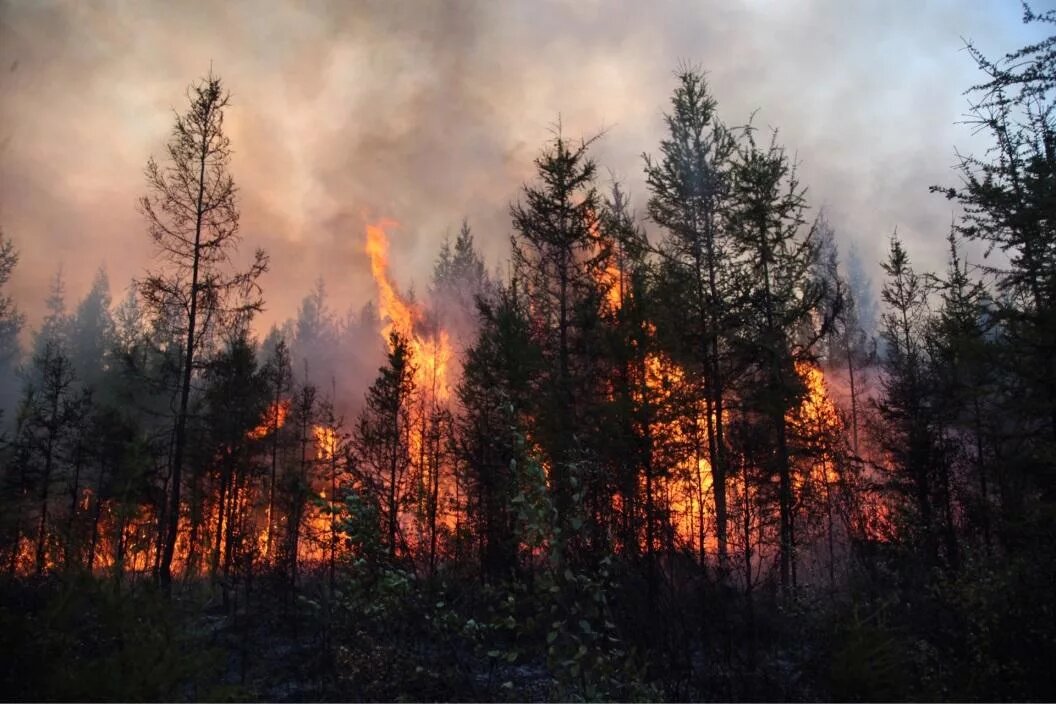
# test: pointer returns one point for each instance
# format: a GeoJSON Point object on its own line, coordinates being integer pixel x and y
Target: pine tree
{"type": "Point", "coordinates": [193, 218]}
{"type": "Point", "coordinates": [382, 440]}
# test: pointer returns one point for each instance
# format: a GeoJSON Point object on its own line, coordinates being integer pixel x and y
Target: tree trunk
{"type": "Point", "coordinates": [165, 568]}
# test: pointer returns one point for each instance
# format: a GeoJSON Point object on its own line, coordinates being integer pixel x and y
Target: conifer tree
{"type": "Point", "coordinates": [382, 440]}
{"type": "Point", "coordinates": [790, 309]}
{"type": "Point", "coordinates": [11, 322]}
{"type": "Point", "coordinates": [192, 216]}
{"type": "Point", "coordinates": [494, 394]}
{"type": "Point", "coordinates": [689, 197]}
{"type": "Point", "coordinates": [908, 436]}
{"type": "Point", "coordinates": [555, 262]}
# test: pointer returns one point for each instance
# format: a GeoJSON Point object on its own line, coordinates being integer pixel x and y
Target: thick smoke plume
{"type": "Point", "coordinates": [431, 112]}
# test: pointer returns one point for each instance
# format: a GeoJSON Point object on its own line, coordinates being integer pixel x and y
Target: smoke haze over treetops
{"type": "Point", "coordinates": [431, 112]}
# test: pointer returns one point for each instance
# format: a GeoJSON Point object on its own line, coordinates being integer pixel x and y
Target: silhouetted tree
{"type": "Point", "coordinates": [381, 440]}
{"type": "Point", "coordinates": [555, 260]}
{"type": "Point", "coordinates": [789, 308]}
{"type": "Point", "coordinates": [494, 397]}
{"type": "Point", "coordinates": [192, 216]}
{"type": "Point", "coordinates": [689, 197]}
{"type": "Point", "coordinates": [908, 437]}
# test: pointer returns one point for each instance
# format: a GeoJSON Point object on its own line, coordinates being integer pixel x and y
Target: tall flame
{"type": "Point", "coordinates": [400, 316]}
{"type": "Point", "coordinates": [430, 353]}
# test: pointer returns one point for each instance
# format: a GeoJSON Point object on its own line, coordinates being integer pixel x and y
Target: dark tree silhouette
{"type": "Point", "coordinates": [192, 216]}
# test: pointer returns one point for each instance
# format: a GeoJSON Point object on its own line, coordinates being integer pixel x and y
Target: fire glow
{"type": "Point", "coordinates": [684, 484]}
{"type": "Point", "coordinates": [431, 354]}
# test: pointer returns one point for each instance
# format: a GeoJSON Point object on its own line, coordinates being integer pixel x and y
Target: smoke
{"type": "Point", "coordinates": [431, 112]}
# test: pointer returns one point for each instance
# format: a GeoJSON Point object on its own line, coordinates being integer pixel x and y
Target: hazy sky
{"type": "Point", "coordinates": [428, 112]}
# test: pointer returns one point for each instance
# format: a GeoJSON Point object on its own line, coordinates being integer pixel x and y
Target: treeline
{"type": "Point", "coordinates": [678, 466]}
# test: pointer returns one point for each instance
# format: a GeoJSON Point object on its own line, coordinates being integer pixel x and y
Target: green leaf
{"type": "Point", "coordinates": [511, 657]}
{"type": "Point", "coordinates": [493, 653]}
{"type": "Point", "coordinates": [551, 636]}
{"type": "Point", "coordinates": [584, 626]}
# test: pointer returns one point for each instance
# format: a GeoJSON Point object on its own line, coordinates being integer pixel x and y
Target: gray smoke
{"type": "Point", "coordinates": [431, 112]}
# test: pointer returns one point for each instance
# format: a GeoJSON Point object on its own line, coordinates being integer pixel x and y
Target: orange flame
{"type": "Point", "coordinates": [399, 314]}
{"type": "Point", "coordinates": [326, 442]}
{"type": "Point", "coordinates": [610, 277]}
{"type": "Point", "coordinates": [430, 354]}
{"type": "Point", "coordinates": [274, 418]}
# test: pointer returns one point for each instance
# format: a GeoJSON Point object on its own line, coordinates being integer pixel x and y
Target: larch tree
{"type": "Point", "coordinates": [908, 437]}
{"type": "Point", "coordinates": [192, 215]}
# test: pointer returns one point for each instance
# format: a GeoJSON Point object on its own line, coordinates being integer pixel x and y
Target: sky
{"type": "Point", "coordinates": [431, 112]}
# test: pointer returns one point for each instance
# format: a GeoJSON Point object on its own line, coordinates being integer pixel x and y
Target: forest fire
{"type": "Point", "coordinates": [687, 487]}
{"type": "Point", "coordinates": [665, 448]}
